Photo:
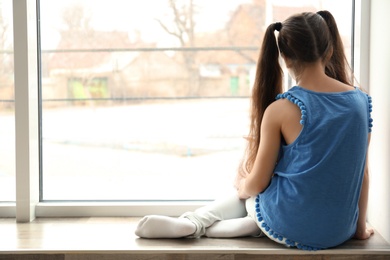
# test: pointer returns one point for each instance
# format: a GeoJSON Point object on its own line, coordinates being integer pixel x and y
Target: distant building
{"type": "Point", "coordinates": [113, 66]}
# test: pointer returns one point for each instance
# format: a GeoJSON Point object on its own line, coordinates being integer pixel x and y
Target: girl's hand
{"type": "Point", "coordinates": [239, 177]}
{"type": "Point", "coordinates": [240, 190]}
{"type": "Point", "coordinates": [364, 234]}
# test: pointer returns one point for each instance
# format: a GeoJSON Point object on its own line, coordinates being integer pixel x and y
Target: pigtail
{"type": "Point", "coordinates": [337, 66]}
{"type": "Point", "coordinates": [268, 83]}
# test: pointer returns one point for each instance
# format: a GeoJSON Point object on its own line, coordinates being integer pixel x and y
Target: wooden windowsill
{"type": "Point", "coordinates": [71, 237]}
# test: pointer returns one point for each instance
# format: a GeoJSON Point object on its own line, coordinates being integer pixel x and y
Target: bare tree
{"type": "Point", "coordinates": [76, 18]}
{"type": "Point", "coordinates": [6, 61]}
{"type": "Point", "coordinates": [182, 27]}
{"type": "Point", "coordinates": [3, 41]}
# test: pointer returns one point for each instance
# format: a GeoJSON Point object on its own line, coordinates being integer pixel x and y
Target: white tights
{"type": "Point", "coordinates": [227, 217]}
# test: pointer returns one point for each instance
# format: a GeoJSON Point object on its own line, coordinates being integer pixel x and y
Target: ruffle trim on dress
{"type": "Point", "coordinates": [370, 120]}
{"type": "Point", "coordinates": [274, 235]}
{"type": "Point", "coordinates": [297, 102]}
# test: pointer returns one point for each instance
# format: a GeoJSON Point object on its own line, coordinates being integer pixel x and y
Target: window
{"type": "Point", "coordinates": [27, 182]}
{"type": "Point", "coordinates": [147, 104]}
{"type": "Point", "coordinates": [7, 105]}
{"type": "Point", "coordinates": [139, 108]}
{"type": "Point", "coordinates": [135, 108]}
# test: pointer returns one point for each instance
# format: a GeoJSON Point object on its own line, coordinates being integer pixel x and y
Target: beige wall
{"type": "Point", "coordinates": [379, 85]}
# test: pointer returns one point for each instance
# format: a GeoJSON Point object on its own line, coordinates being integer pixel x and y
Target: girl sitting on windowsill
{"type": "Point", "coordinates": [304, 180]}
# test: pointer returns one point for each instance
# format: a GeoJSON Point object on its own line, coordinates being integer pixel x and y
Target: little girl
{"type": "Point", "coordinates": [304, 180]}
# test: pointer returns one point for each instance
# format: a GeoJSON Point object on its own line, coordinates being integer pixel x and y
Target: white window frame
{"type": "Point", "coordinates": [27, 205]}
{"type": "Point", "coordinates": [26, 109]}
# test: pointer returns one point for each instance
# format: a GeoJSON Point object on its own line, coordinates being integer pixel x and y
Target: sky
{"type": "Point", "coordinates": [131, 15]}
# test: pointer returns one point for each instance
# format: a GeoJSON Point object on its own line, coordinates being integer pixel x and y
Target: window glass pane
{"type": "Point", "coordinates": [142, 104]}
{"type": "Point", "coordinates": [7, 105]}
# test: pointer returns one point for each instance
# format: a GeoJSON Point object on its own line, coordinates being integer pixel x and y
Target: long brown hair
{"type": "Point", "coordinates": [303, 38]}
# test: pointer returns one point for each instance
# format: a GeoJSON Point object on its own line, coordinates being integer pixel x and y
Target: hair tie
{"type": "Point", "coordinates": [278, 26]}
{"type": "Point", "coordinates": [322, 14]}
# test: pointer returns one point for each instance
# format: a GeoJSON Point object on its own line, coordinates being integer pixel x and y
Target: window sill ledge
{"type": "Point", "coordinates": [115, 209]}
{"type": "Point", "coordinates": [78, 238]}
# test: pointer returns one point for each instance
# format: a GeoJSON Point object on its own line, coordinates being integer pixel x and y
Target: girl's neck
{"type": "Point", "coordinates": [313, 77]}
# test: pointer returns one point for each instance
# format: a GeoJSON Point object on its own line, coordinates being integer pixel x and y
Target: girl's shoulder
{"type": "Point", "coordinates": [283, 109]}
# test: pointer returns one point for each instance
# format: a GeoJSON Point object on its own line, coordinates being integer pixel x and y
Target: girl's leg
{"type": "Point", "coordinates": [238, 227]}
{"type": "Point", "coordinates": [192, 224]}
{"type": "Point", "coordinates": [229, 207]}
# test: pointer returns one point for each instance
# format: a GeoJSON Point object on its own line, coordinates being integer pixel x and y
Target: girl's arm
{"type": "Point", "coordinates": [260, 176]}
{"type": "Point", "coordinates": [362, 232]}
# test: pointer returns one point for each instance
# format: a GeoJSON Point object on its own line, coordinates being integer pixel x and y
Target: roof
{"type": "Point", "coordinates": [91, 41]}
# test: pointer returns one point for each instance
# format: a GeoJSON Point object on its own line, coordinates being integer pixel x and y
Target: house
{"type": "Point", "coordinates": [108, 65]}
{"type": "Point", "coordinates": [83, 64]}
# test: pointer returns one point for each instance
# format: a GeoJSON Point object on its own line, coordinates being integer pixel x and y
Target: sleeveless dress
{"type": "Point", "coordinates": [312, 200]}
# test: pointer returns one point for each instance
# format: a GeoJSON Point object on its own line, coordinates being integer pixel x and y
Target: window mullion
{"type": "Point", "coordinates": [26, 109]}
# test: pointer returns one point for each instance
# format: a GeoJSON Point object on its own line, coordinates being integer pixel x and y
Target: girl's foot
{"type": "Point", "coordinates": [155, 226]}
